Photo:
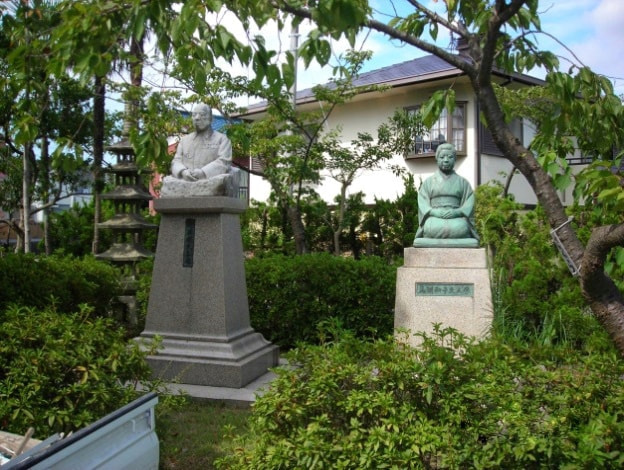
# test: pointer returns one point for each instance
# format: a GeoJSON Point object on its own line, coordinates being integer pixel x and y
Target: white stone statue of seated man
{"type": "Point", "coordinates": [202, 165]}
{"type": "Point", "coordinates": [446, 206]}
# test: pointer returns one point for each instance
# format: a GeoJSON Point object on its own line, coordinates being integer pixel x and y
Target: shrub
{"type": "Point", "coordinates": [60, 372]}
{"type": "Point", "coordinates": [383, 229]}
{"type": "Point", "coordinates": [71, 231]}
{"type": "Point", "coordinates": [64, 282]}
{"type": "Point", "coordinates": [535, 296]}
{"type": "Point", "coordinates": [144, 270]}
{"type": "Point", "coordinates": [352, 403]}
{"type": "Point", "coordinates": [391, 225]}
{"type": "Point", "coordinates": [289, 296]}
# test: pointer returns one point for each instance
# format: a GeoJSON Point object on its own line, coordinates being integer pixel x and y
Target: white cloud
{"type": "Point", "coordinates": [592, 30]}
{"type": "Point", "coordinates": [603, 51]}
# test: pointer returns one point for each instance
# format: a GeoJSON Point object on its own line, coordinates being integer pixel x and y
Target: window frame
{"type": "Point", "coordinates": [449, 125]}
{"type": "Point", "coordinates": [486, 141]}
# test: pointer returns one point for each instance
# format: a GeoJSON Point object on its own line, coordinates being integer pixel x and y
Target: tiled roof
{"type": "Point", "coordinates": [418, 67]}
{"type": "Point", "coordinates": [416, 70]}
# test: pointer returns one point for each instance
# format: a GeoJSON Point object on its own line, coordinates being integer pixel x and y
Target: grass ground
{"type": "Point", "coordinates": [194, 435]}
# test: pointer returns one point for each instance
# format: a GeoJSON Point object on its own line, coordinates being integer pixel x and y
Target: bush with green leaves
{"type": "Point", "coordinates": [391, 225]}
{"type": "Point", "coordinates": [290, 296]}
{"type": "Point", "coordinates": [60, 372]}
{"type": "Point", "coordinates": [71, 231]}
{"type": "Point", "coordinates": [62, 282]}
{"type": "Point", "coordinates": [383, 229]}
{"type": "Point", "coordinates": [350, 403]}
{"type": "Point", "coordinates": [535, 296]}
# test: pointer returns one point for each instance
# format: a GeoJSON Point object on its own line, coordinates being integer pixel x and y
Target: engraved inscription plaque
{"type": "Point", "coordinates": [449, 289]}
{"type": "Point", "coordinates": [189, 243]}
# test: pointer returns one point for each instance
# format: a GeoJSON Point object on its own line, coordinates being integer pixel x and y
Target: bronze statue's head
{"type": "Point", "coordinates": [446, 156]}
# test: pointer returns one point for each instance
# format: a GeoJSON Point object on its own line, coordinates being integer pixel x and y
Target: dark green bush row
{"type": "Point", "coordinates": [289, 296]}
{"type": "Point", "coordinates": [356, 404]}
{"type": "Point", "coordinates": [382, 229]}
{"type": "Point", "coordinates": [64, 282]}
{"type": "Point", "coordinates": [60, 372]}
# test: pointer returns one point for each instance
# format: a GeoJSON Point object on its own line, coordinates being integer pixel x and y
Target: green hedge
{"type": "Point", "coordinates": [289, 296]}
{"type": "Point", "coordinates": [61, 372]}
{"type": "Point", "coordinates": [62, 282]}
{"type": "Point", "coordinates": [355, 404]}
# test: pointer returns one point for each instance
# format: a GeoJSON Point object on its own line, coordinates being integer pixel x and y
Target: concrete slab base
{"type": "Point", "coordinates": [243, 396]}
{"type": "Point", "coordinates": [198, 298]}
{"type": "Point", "coordinates": [450, 286]}
{"type": "Point", "coordinates": [218, 362]}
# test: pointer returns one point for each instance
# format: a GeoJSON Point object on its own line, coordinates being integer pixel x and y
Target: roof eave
{"type": "Point", "coordinates": [519, 77]}
{"type": "Point", "coordinates": [422, 78]}
{"type": "Point", "coordinates": [412, 80]}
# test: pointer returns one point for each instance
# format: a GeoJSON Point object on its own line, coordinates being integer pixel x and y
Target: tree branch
{"type": "Point", "coordinates": [602, 240]}
{"type": "Point", "coordinates": [433, 16]}
{"type": "Point", "coordinates": [452, 59]}
{"type": "Point", "coordinates": [56, 197]}
{"type": "Point", "coordinates": [9, 142]}
{"type": "Point", "coordinates": [393, 34]}
{"type": "Point", "coordinates": [603, 295]}
{"type": "Point", "coordinates": [501, 15]}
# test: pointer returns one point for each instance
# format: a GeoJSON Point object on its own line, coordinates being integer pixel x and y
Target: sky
{"type": "Point", "coordinates": [587, 32]}
{"type": "Point", "coordinates": [593, 30]}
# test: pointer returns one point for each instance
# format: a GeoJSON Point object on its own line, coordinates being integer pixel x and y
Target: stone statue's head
{"type": "Point", "coordinates": [202, 117]}
{"type": "Point", "coordinates": [446, 156]}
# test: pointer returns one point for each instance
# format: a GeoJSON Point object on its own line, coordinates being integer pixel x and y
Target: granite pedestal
{"type": "Point", "coordinates": [450, 286]}
{"type": "Point", "coordinates": [198, 298]}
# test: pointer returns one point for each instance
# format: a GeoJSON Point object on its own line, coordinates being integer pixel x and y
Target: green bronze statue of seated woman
{"type": "Point", "coordinates": [446, 206]}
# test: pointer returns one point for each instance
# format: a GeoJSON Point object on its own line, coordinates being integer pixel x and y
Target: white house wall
{"type": "Point", "coordinates": [259, 188]}
{"type": "Point", "coordinates": [498, 169]}
{"type": "Point", "coordinates": [495, 168]}
{"type": "Point", "coordinates": [63, 204]}
{"type": "Point", "coordinates": [367, 111]}
{"type": "Point", "coordinates": [366, 114]}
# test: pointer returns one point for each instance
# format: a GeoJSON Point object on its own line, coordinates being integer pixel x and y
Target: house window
{"type": "Point", "coordinates": [581, 159]}
{"type": "Point", "coordinates": [489, 147]}
{"type": "Point", "coordinates": [448, 128]}
{"type": "Point", "coordinates": [243, 188]}
{"type": "Point", "coordinates": [243, 163]}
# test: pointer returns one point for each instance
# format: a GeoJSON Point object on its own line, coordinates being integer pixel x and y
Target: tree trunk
{"type": "Point", "coordinates": [294, 217]}
{"type": "Point", "coordinates": [19, 233]}
{"type": "Point", "coordinates": [336, 237]}
{"type": "Point", "coordinates": [340, 218]}
{"type": "Point", "coordinates": [603, 296]}
{"type": "Point", "coordinates": [135, 64]}
{"type": "Point", "coordinates": [45, 174]}
{"type": "Point", "coordinates": [25, 213]}
{"type": "Point", "coordinates": [98, 158]}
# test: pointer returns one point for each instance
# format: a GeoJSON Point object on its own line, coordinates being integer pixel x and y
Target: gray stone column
{"type": "Point", "coordinates": [198, 299]}
{"type": "Point", "coordinates": [450, 286]}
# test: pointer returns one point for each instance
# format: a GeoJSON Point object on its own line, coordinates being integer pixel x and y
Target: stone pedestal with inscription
{"type": "Point", "coordinates": [198, 298]}
{"type": "Point", "coordinates": [450, 286]}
